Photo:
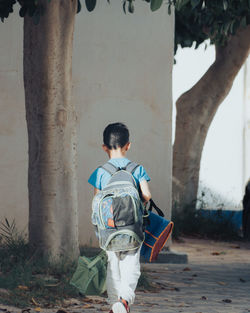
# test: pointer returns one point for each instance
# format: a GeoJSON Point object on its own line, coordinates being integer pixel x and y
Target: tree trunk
{"type": "Point", "coordinates": [51, 123]}
{"type": "Point", "coordinates": [195, 111]}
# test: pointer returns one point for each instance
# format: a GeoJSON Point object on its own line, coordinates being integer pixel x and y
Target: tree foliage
{"type": "Point", "coordinates": [35, 9]}
{"type": "Point", "coordinates": [199, 20]}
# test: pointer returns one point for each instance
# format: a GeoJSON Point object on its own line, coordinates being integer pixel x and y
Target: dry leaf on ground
{"type": "Point", "coordinates": [21, 287]}
{"type": "Point", "coordinates": [221, 283]}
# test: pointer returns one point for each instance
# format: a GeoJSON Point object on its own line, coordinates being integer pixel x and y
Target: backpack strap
{"type": "Point", "coordinates": [110, 168]}
{"type": "Point", "coordinates": [131, 167]}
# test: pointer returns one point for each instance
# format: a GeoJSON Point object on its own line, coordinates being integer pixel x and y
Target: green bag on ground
{"type": "Point", "coordinates": [90, 275]}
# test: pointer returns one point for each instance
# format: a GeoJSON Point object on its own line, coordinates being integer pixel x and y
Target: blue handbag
{"type": "Point", "coordinates": [157, 232]}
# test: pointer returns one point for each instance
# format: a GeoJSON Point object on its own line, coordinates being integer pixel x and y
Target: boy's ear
{"type": "Point", "coordinates": [105, 148]}
{"type": "Point", "coordinates": [128, 145]}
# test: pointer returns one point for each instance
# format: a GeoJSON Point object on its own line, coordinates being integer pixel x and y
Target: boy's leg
{"type": "Point", "coordinates": [129, 273]}
{"type": "Point", "coordinates": [113, 280]}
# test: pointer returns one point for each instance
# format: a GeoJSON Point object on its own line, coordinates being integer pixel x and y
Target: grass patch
{"type": "Point", "coordinates": [29, 281]}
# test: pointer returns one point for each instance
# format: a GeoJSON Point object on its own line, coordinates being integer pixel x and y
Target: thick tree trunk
{"type": "Point", "coordinates": [195, 111]}
{"type": "Point", "coordinates": [51, 122]}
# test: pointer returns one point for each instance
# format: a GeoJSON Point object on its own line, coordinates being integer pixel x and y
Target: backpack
{"type": "Point", "coordinates": [117, 210]}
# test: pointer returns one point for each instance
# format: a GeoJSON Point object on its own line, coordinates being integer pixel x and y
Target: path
{"type": "Point", "coordinates": [217, 279]}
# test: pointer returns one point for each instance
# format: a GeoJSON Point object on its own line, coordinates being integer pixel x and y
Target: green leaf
{"type": "Point", "coordinates": [131, 7]}
{"type": "Point", "coordinates": [225, 4]}
{"type": "Point", "coordinates": [7, 222]}
{"type": "Point", "coordinates": [243, 22]}
{"type": "Point", "coordinates": [36, 16]}
{"type": "Point", "coordinates": [180, 3]}
{"type": "Point", "coordinates": [23, 11]}
{"type": "Point", "coordinates": [155, 4]}
{"type": "Point", "coordinates": [194, 3]}
{"type": "Point", "coordinates": [90, 5]}
{"type": "Point", "coordinates": [169, 9]}
{"type": "Point", "coordinates": [226, 28]}
{"type": "Point", "coordinates": [79, 6]}
{"type": "Point", "coordinates": [124, 6]}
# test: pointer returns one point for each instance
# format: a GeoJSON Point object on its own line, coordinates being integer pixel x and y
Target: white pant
{"type": "Point", "coordinates": [123, 273]}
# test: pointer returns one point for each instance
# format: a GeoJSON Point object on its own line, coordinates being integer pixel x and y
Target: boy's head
{"type": "Point", "coordinates": [115, 136]}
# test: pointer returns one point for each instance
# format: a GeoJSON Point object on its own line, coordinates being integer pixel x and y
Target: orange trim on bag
{"type": "Point", "coordinates": [146, 231]}
{"type": "Point", "coordinates": [147, 245]}
{"type": "Point", "coordinates": [170, 225]}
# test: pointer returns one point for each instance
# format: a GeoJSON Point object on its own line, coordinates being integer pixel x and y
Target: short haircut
{"type": "Point", "coordinates": [115, 136]}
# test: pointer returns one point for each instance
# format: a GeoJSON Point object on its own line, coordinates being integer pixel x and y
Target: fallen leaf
{"type": "Point", "coordinates": [186, 269]}
{"type": "Point", "coordinates": [103, 308]}
{"type": "Point", "coordinates": [34, 301]}
{"type": "Point", "coordinates": [4, 292]}
{"type": "Point", "coordinates": [242, 280]}
{"type": "Point", "coordinates": [215, 253]}
{"type": "Point", "coordinates": [88, 306]}
{"type": "Point", "coordinates": [21, 287]}
{"type": "Point", "coordinates": [221, 283]}
{"type": "Point", "coordinates": [235, 246]}
{"type": "Point", "coordinates": [88, 300]}
{"type": "Point", "coordinates": [227, 300]}
{"type": "Point", "coordinates": [38, 309]}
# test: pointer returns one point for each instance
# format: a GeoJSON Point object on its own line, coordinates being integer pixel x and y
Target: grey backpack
{"type": "Point", "coordinates": [117, 210]}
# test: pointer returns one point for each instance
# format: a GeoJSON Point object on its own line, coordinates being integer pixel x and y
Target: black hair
{"type": "Point", "coordinates": [115, 136]}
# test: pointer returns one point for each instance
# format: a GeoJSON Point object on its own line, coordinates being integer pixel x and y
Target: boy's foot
{"type": "Point", "coordinates": [120, 307]}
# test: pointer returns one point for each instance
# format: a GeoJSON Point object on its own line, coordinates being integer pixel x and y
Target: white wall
{"type": "Point", "coordinates": [13, 135]}
{"type": "Point", "coordinates": [122, 67]}
{"type": "Point", "coordinates": [124, 75]}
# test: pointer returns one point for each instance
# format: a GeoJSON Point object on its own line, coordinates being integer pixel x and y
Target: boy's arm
{"type": "Point", "coordinates": [146, 194]}
{"type": "Point", "coordinates": [96, 191]}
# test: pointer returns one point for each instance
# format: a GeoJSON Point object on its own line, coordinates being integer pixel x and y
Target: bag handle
{"type": "Point", "coordinates": [153, 205]}
{"type": "Point", "coordinates": [100, 256]}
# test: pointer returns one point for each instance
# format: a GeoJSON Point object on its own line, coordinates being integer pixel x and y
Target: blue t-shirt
{"type": "Point", "coordinates": [99, 178]}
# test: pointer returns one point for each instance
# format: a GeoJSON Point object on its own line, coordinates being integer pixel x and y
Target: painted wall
{"type": "Point", "coordinates": [122, 67]}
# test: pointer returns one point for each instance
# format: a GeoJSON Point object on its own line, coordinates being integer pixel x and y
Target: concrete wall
{"type": "Point", "coordinates": [122, 69]}
{"type": "Point", "coordinates": [246, 121]}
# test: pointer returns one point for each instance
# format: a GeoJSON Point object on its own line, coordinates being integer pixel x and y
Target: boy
{"type": "Point", "coordinates": [123, 269]}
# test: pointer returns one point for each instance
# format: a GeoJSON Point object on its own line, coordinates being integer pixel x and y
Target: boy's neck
{"type": "Point", "coordinates": [116, 153]}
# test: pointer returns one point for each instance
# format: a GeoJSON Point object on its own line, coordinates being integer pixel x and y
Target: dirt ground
{"type": "Point", "coordinates": [215, 280]}
{"type": "Point", "coordinates": [210, 251]}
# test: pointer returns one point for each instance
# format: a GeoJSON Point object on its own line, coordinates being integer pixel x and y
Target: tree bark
{"type": "Point", "coordinates": [195, 111]}
{"type": "Point", "coordinates": [51, 123]}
